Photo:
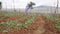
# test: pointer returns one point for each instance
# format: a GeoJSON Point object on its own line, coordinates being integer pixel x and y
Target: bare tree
{"type": "Point", "coordinates": [0, 5]}
{"type": "Point", "coordinates": [14, 5]}
{"type": "Point", "coordinates": [29, 6]}
{"type": "Point", "coordinates": [57, 8]}
{"type": "Point", "coordinates": [56, 11]}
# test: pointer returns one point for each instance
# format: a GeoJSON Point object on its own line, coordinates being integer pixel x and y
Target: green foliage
{"type": "Point", "coordinates": [29, 21]}
{"type": "Point", "coordinates": [4, 24]}
{"type": "Point", "coordinates": [0, 29]}
{"type": "Point", "coordinates": [26, 23]}
{"type": "Point", "coordinates": [21, 26]}
{"type": "Point", "coordinates": [50, 17]}
{"type": "Point", "coordinates": [9, 14]}
{"type": "Point", "coordinates": [7, 23]}
{"type": "Point", "coordinates": [14, 24]}
{"type": "Point", "coordinates": [53, 18]}
{"type": "Point", "coordinates": [58, 26]}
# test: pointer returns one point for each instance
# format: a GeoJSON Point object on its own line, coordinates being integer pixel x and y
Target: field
{"type": "Point", "coordinates": [21, 23]}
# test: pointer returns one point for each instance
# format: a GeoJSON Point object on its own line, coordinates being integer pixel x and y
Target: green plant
{"type": "Point", "coordinates": [1, 29]}
{"type": "Point", "coordinates": [14, 24]}
{"type": "Point", "coordinates": [29, 21]}
{"type": "Point", "coordinates": [58, 26]}
{"type": "Point", "coordinates": [4, 24]}
{"type": "Point", "coordinates": [50, 17]}
{"type": "Point", "coordinates": [20, 25]}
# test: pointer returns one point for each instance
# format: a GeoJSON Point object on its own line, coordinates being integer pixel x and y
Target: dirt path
{"type": "Point", "coordinates": [41, 22]}
{"type": "Point", "coordinates": [45, 27]}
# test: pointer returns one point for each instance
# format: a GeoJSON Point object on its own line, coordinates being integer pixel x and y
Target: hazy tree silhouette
{"type": "Point", "coordinates": [29, 6]}
{"type": "Point", "coordinates": [0, 5]}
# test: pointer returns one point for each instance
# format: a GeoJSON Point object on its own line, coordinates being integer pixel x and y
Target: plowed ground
{"type": "Point", "coordinates": [40, 25]}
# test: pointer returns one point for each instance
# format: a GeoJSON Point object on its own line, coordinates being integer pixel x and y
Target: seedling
{"type": "Point", "coordinates": [4, 24]}
{"type": "Point", "coordinates": [1, 29]}
{"type": "Point", "coordinates": [58, 25]}
{"type": "Point", "coordinates": [20, 26]}
{"type": "Point", "coordinates": [13, 26]}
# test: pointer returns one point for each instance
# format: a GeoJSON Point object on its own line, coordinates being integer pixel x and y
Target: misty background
{"type": "Point", "coordinates": [42, 6]}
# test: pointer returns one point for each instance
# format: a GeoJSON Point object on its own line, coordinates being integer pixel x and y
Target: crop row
{"type": "Point", "coordinates": [16, 24]}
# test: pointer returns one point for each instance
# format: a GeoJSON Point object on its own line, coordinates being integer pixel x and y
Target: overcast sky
{"type": "Point", "coordinates": [23, 3]}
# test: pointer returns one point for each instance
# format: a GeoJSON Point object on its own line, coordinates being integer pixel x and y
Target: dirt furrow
{"type": "Point", "coordinates": [41, 22]}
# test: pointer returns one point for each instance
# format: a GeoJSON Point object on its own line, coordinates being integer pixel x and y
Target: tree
{"type": "Point", "coordinates": [56, 11]}
{"type": "Point", "coordinates": [0, 5]}
{"type": "Point", "coordinates": [57, 8]}
{"type": "Point", "coordinates": [14, 5]}
{"type": "Point", "coordinates": [31, 5]}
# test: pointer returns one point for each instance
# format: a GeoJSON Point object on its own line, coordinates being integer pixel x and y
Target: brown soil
{"type": "Point", "coordinates": [10, 18]}
{"type": "Point", "coordinates": [40, 25]}
{"type": "Point", "coordinates": [50, 27]}
{"type": "Point", "coordinates": [37, 27]}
